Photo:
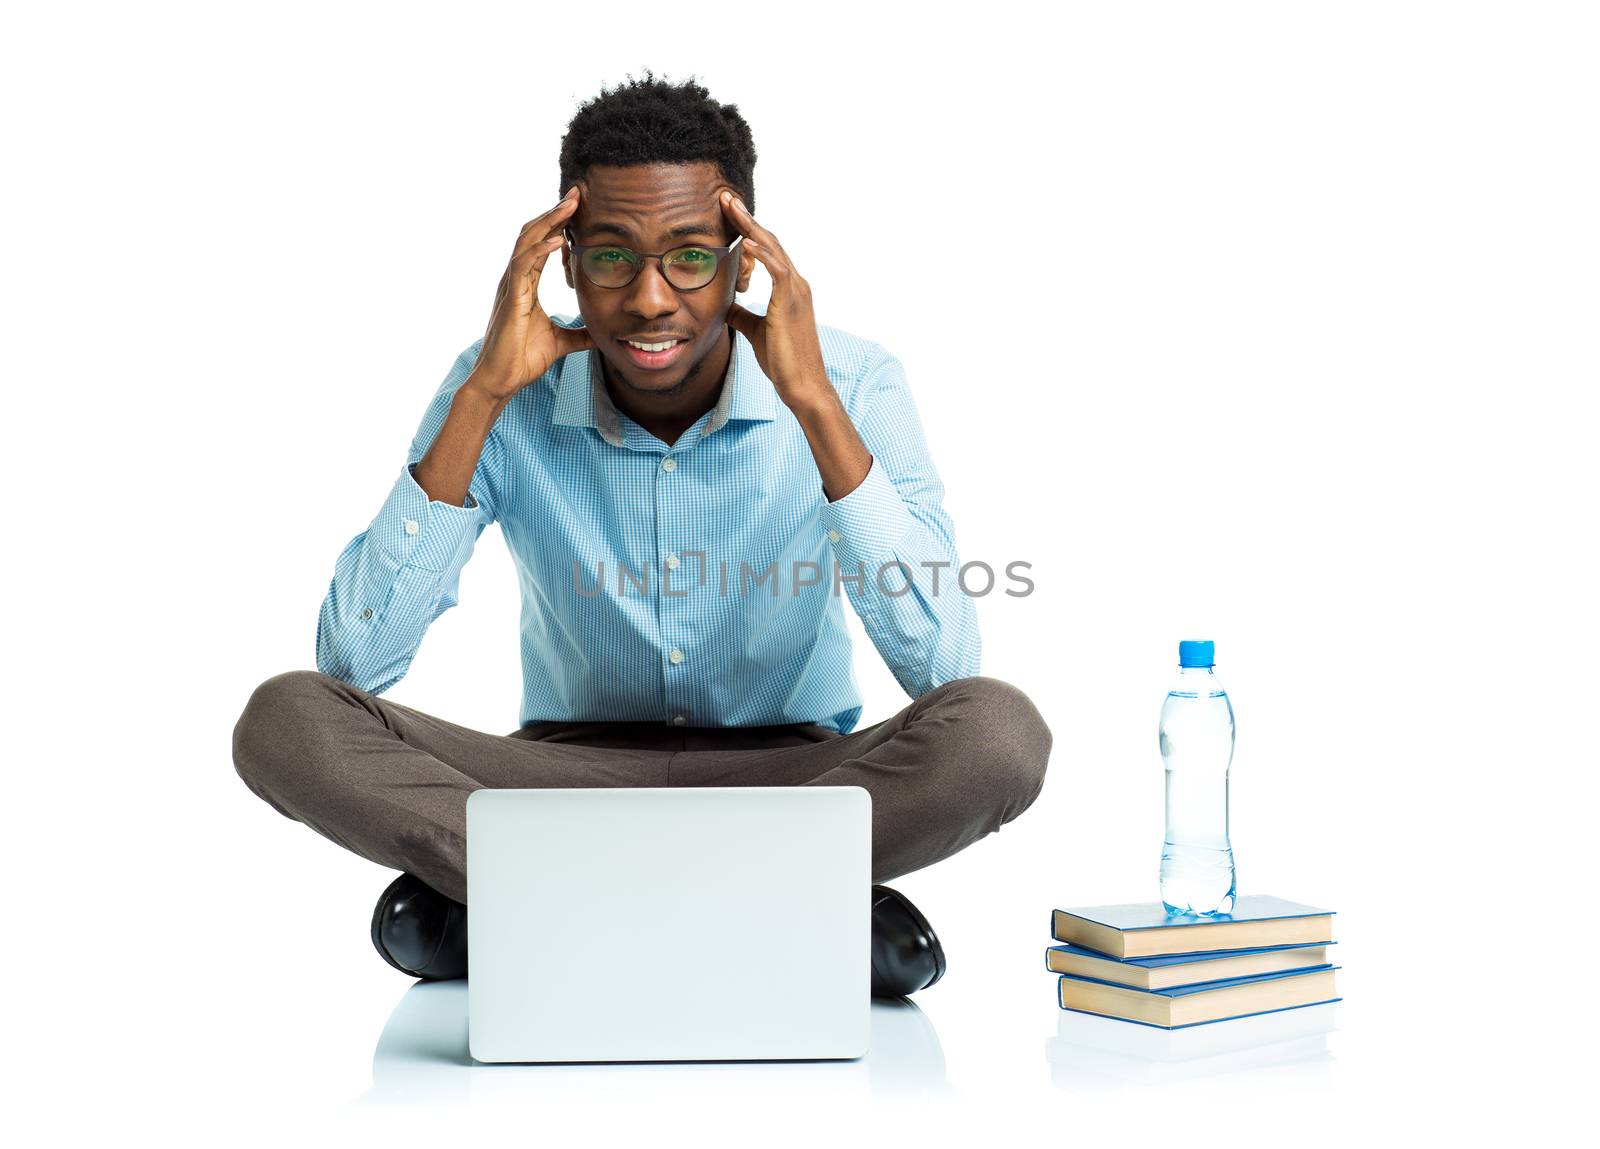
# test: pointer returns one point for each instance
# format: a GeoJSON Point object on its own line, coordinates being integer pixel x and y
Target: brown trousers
{"type": "Point", "coordinates": [391, 783]}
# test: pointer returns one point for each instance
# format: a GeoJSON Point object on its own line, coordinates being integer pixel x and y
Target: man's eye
{"type": "Point", "coordinates": [692, 255]}
{"type": "Point", "coordinates": [610, 255]}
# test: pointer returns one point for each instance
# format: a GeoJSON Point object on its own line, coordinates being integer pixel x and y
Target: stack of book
{"type": "Point", "coordinates": [1138, 963]}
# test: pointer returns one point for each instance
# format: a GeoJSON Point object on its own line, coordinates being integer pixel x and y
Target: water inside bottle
{"type": "Point", "coordinates": [1197, 870]}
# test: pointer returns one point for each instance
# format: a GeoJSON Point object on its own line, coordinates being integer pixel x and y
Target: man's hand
{"type": "Point", "coordinates": [522, 341]}
{"type": "Point", "coordinates": [790, 354]}
{"type": "Point", "coordinates": [785, 339]}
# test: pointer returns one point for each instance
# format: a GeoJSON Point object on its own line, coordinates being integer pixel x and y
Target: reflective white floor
{"type": "Point", "coordinates": [256, 1017]}
{"type": "Point", "coordinates": [245, 1004]}
{"type": "Point", "coordinates": [421, 1058]}
{"type": "Point", "coordinates": [1072, 1064]}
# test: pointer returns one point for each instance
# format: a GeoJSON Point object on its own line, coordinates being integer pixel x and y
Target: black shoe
{"type": "Point", "coordinates": [419, 931]}
{"type": "Point", "coordinates": [906, 954]}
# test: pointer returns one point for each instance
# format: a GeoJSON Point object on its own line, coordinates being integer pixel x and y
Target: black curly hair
{"type": "Point", "coordinates": [654, 121]}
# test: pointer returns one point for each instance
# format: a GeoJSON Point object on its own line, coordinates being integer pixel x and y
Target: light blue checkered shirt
{"type": "Point", "coordinates": [697, 584]}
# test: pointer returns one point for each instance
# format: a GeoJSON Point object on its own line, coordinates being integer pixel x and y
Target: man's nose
{"type": "Point", "coordinates": [650, 294]}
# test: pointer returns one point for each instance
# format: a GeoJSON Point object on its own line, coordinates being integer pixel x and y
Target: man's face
{"type": "Point", "coordinates": [653, 208]}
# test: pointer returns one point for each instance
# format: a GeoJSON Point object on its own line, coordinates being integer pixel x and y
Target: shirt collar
{"type": "Point", "coordinates": [582, 399]}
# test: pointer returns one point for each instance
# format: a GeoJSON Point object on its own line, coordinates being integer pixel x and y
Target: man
{"type": "Point", "coordinates": [686, 487]}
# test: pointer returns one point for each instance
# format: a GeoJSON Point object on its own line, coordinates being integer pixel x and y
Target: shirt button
{"type": "Point", "coordinates": [366, 614]}
{"type": "Point", "coordinates": [833, 536]}
{"type": "Point", "coordinates": [672, 562]}
{"type": "Point", "coordinates": [675, 657]}
{"type": "Point", "coordinates": [411, 526]}
{"type": "Point", "coordinates": [669, 465]}
{"type": "Point", "coordinates": [679, 720]}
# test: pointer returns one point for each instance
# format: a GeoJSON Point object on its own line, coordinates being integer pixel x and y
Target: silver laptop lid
{"type": "Point", "coordinates": [668, 924]}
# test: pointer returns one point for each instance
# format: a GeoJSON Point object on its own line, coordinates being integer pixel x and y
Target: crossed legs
{"type": "Point", "coordinates": [390, 783]}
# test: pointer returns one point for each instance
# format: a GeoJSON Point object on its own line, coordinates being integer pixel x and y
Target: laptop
{"type": "Point", "coordinates": [698, 923]}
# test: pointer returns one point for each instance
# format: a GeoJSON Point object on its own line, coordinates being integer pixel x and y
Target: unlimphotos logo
{"type": "Point", "coordinates": [740, 578]}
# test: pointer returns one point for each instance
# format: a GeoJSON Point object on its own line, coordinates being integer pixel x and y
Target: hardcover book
{"type": "Point", "coordinates": [1180, 1006]}
{"type": "Point", "coordinates": [1183, 969]}
{"type": "Point", "coordinates": [1145, 929]}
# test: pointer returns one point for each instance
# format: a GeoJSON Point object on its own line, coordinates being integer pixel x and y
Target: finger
{"type": "Point", "coordinates": [526, 268]}
{"type": "Point", "coordinates": [733, 207]}
{"type": "Point", "coordinates": [777, 267]}
{"type": "Point", "coordinates": [566, 204]}
{"type": "Point", "coordinates": [520, 283]}
{"type": "Point", "coordinates": [552, 220]}
{"type": "Point", "coordinates": [540, 252]}
{"type": "Point", "coordinates": [538, 229]}
{"type": "Point", "coordinates": [746, 323]}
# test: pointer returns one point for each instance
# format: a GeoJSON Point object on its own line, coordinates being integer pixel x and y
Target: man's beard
{"type": "Point", "coordinates": [616, 377]}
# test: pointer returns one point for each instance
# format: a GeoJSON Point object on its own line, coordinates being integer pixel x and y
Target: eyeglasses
{"type": "Point", "coordinates": [686, 268]}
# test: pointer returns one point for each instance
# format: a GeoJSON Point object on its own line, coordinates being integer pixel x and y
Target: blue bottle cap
{"type": "Point", "coordinates": [1195, 652]}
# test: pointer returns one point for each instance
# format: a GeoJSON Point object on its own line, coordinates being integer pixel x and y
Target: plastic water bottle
{"type": "Point", "coordinates": [1197, 875]}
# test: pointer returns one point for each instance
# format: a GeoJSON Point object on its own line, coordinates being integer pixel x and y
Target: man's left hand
{"type": "Point", "coordinates": [785, 338]}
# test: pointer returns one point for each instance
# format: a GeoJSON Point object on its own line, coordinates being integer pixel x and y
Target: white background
{"type": "Point", "coordinates": [1269, 323]}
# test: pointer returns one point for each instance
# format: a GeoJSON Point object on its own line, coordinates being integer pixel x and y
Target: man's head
{"type": "Point", "coordinates": [650, 158]}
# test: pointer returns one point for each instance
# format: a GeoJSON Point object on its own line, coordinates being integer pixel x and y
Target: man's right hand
{"type": "Point", "coordinates": [522, 341]}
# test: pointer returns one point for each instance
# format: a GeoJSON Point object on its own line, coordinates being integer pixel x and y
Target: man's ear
{"type": "Point", "coordinates": [747, 264]}
{"type": "Point", "coordinates": [566, 265]}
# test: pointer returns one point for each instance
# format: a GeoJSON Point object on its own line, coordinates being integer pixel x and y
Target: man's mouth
{"type": "Point", "coordinates": [654, 353]}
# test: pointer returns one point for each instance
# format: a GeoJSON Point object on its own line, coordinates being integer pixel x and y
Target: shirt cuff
{"type": "Point", "coordinates": [867, 525]}
{"type": "Point", "coordinates": [421, 533]}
